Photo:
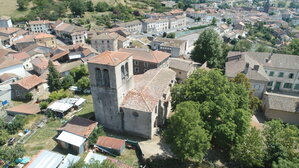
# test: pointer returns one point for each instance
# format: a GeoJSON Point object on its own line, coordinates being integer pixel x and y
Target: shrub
{"type": "Point", "coordinates": [43, 105]}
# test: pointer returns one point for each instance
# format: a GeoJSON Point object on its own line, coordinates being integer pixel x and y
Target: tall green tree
{"type": "Point", "coordinates": [53, 78]}
{"type": "Point", "coordinates": [67, 81]}
{"type": "Point", "coordinates": [208, 48]}
{"type": "Point", "coordinates": [224, 105]}
{"type": "Point", "coordinates": [23, 4]}
{"type": "Point", "coordinates": [242, 46]}
{"type": "Point", "coordinates": [185, 134]}
{"type": "Point", "coordinates": [255, 102]}
{"type": "Point", "coordinates": [83, 83]}
{"type": "Point", "coordinates": [250, 150]}
{"type": "Point", "coordinates": [89, 6]}
{"type": "Point", "coordinates": [102, 7]}
{"type": "Point", "coordinates": [292, 48]}
{"type": "Point", "coordinates": [77, 7]}
{"type": "Point", "coordinates": [11, 153]}
{"type": "Point", "coordinates": [282, 141]}
{"type": "Point", "coordinates": [3, 136]}
{"type": "Point", "coordinates": [282, 163]}
{"type": "Point", "coordinates": [79, 72]}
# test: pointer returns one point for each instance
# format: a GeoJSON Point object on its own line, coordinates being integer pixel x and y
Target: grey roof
{"type": "Point", "coordinates": [169, 42]}
{"type": "Point", "coordinates": [282, 102]}
{"type": "Point", "coordinates": [237, 64]}
{"type": "Point", "coordinates": [69, 160]}
{"type": "Point", "coordinates": [284, 61]}
{"type": "Point", "coordinates": [135, 22]}
{"type": "Point", "coordinates": [46, 159]}
{"type": "Point", "coordinates": [181, 64]}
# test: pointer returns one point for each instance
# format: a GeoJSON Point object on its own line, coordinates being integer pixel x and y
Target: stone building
{"type": "Point", "coordinates": [31, 84]}
{"type": "Point", "coordinates": [124, 102]}
{"type": "Point", "coordinates": [108, 42]}
{"type": "Point", "coordinates": [5, 21]}
{"type": "Point", "coordinates": [145, 59]}
{"type": "Point", "coordinates": [40, 26]}
{"type": "Point", "coordinates": [183, 68]}
{"type": "Point", "coordinates": [173, 46]}
{"type": "Point", "coordinates": [283, 107]}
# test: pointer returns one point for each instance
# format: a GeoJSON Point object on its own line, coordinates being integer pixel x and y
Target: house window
{"type": "Point", "coordinates": [106, 78]}
{"type": "Point", "coordinates": [280, 74]}
{"type": "Point", "coordinates": [122, 72]}
{"type": "Point", "coordinates": [271, 73]}
{"type": "Point", "coordinates": [127, 70]}
{"type": "Point", "coordinates": [136, 69]}
{"type": "Point", "coordinates": [146, 64]}
{"type": "Point", "coordinates": [136, 62]}
{"type": "Point", "coordinates": [291, 75]}
{"type": "Point", "coordinates": [296, 86]}
{"type": "Point", "coordinates": [287, 85]}
{"type": "Point", "coordinates": [270, 83]}
{"type": "Point", "coordinates": [99, 79]}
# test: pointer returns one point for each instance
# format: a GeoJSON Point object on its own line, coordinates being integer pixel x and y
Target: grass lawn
{"type": "Point", "coordinates": [43, 138]}
{"type": "Point", "coordinates": [297, 28]}
{"type": "Point", "coordinates": [9, 8]}
{"type": "Point", "coordinates": [88, 110]}
{"type": "Point", "coordinates": [129, 157]}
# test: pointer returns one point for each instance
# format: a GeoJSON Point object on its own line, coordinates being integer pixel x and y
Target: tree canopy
{"type": "Point", "coordinates": [208, 47]}
{"type": "Point", "coordinates": [185, 133]}
{"type": "Point", "coordinates": [224, 105]}
{"type": "Point", "coordinates": [53, 78]}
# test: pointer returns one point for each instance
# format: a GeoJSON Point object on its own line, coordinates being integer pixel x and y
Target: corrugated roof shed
{"type": "Point", "coordinates": [45, 159]}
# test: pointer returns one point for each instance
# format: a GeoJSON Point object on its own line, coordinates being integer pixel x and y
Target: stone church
{"type": "Point", "coordinates": [136, 104]}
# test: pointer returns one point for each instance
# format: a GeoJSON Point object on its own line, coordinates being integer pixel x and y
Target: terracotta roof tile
{"type": "Point", "coordinates": [112, 58]}
{"type": "Point", "coordinates": [40, 22]}
{"type": "Point", "coordinates": [7, 76]}
{"type": "Point", "coordinates": [21, 56]}
{"type": "Point", "coordinates": [25, 109]}
{"type": "Point", "coordinates": [109, 142]}
{"type": "Point", "coordinates": [29, 82]}
{"type": "Point", "coordinates": [44, 35]}
{"type": "Point", "coordinates": [79, 126]}
{"type": "Point", "coordinates": [146, 55]}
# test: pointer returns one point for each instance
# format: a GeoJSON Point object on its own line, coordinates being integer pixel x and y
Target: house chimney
{"type": "Point", "coordinates": [269, 58]}
{"type": "Point", "coordinates": [246, 68]}
{"type": "Point", "coordinates": [256, 67]}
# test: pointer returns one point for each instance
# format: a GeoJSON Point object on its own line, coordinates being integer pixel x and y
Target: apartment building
{"type": "Point", "coordinates": [40, 26]}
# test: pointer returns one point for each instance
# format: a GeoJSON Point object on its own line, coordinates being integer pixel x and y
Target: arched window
{"type": "Point", "coordinates": [127, 70]}
{"type": "Point", "coordinates": [99, 78]}
{"type": "Point", "coordinates": [122, 72]}
{"type": "Point", "coordinates": [106, 78]}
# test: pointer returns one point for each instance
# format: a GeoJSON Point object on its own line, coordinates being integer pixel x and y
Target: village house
{"type": "Point", "coordinates": [31, 84]}
{"type": "Point", "coordinates": [40, 64]}
{"type": "Point", "coordinates": [155, 25]}
{"type": "Point", "coordinates": [105, 42]}
{"type": "Point", "coordinates": [71, 33]}
{"type": "Point", "coordinates": [133, 27]}
{"type": "Point", "coordinates": [145, 59]}
{"type": "Point", "coordinates": [40, 26]}
{"type": "Point", "coordinates": [274, 73]}
{"type": "Point", "coordinates": [11, 34]}
{"type": "Point", "coordinates": [183, 68]}
{"type": "Point", "coordinates": [71, 53]}
{"type": "Point", "coordinates": [5, 21]}
{"type": "Point", "coordinates": [124, 102]}
{"type": "Point", "coordinates": [9, 64]}
{"type": "Point", "coordinates": [74, 135]}
{"type": "Point", "coordinates": [24, 58]}
{"type": "Point", "coordinates": [42, 39]}
{"type": "Point", "coordinates": [177, 22]}
{"type": "Point", "coordinates": [173, 46]}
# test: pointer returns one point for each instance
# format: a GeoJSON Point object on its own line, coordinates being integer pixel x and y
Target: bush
{"type": "Point", "coordinates": [43, 105]}
{"type": "Point", "coordinates": [28, 97]}
{"type": "Point", "coordinates": [170, 35]}
{"type": "Point", "coordinates": [99, 131]}
{"type": "Point", "coordinates": [57, 95]}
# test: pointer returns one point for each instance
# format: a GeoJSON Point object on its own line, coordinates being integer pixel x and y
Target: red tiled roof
{"type": "Point", "coordinates": [44, 35]}
{"type": "Point", "coordinates": [20, 56]}
{"type": "Point", "coordinates": [7, 76]}
{"type": "Point", "coordinates": [25, 109]}
{"type": "Point", "coordinates": [40, 62]}
{"type": "Point", "coordinates": [40, 22]}
{"type": "Point", "coordinates": [146, 55]}
{"type": "Point", "coordinates": [109, 142]}
{"type": "Point", "coordinates": [112, 58]}
{"type": "Point", "coordinates": [79, 126]}
{"type": "Point", "coordinates": [29, 82]}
